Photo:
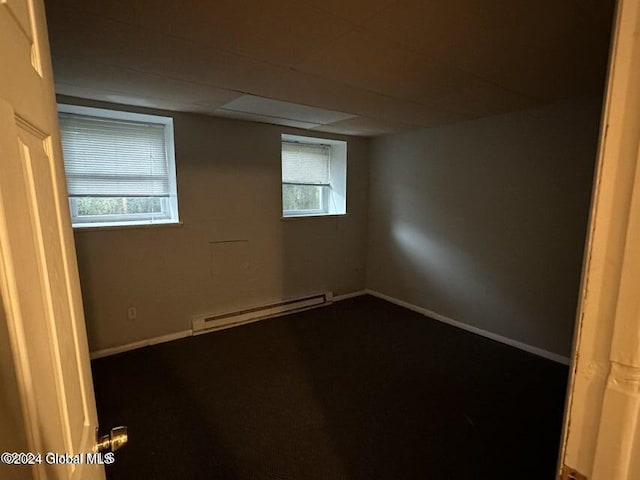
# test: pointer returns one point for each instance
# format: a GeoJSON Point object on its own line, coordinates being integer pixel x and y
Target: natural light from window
{"type": "Point", "coordinates": [120, 167]}
{"type": "Point", "coordinates": [314, 174]}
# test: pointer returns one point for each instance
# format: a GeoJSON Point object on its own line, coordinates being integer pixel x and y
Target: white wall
{"type": "Point", "coordinates": [484, 221]}
{"type": "Point", "coordinates": [233, 250]}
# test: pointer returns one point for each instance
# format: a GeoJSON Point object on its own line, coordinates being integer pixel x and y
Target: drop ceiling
{"type": "Point", "coordinates": [360, 67]}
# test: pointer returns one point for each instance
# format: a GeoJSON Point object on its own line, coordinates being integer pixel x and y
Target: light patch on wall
{"type": "Point", "coordinates": [445, 267]}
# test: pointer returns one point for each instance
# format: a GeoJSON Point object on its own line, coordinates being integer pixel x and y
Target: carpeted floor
{"type": "Point", "coordinates": [362, 389]}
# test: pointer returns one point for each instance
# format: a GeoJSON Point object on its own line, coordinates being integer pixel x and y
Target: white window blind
{"type": "Point", "coordinates": [114, 158]}
{"type": "Point", "coordinates": [305, 164]}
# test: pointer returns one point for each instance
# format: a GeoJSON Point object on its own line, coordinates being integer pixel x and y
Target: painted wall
{"type": "Point", "coordinates": [484, 221]}
{"type": "Point", "coordinates": [233, 249]}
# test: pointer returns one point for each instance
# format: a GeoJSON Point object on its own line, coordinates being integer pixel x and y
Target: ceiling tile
{"type": "Point", "coordinates": [426, 28]}
{"type": "Point", "coordinates": [86, 37]}
{"type": "Point", "coordinates": [214, 25]}
{"type": "Point", "coordinates": [123, 98]}
{"type": "Point", "coordinates": [291, 111]}
{"type": "Point", "coordinates": [209, 24]}
{"type": "Point", "coordinates": [368, 61]}
{"type": "Point", "coordinates": [256, 117]}
{"type": "Point", "coordinates": [90, 74]}
{"type": "Point", "coordinates": [126, 11]}
{"type": "Point", "coordinates": [286, 32]}
{"type": "Point", "coordinates": [355, 10]}
{"type": "Point", "coordinates": [545, 49]}
{"type": "Point", "coordinates": [363, 126]}
{"type": "Point", "coordinates": [481, 99]}
{"type": "Point", "coordinates": [314, 90]}
{"type": "Point", "coordinates": [278, 31]}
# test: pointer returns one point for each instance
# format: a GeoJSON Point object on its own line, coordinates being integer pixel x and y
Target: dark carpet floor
{"type": "Point", "coordinates": [362, 389]}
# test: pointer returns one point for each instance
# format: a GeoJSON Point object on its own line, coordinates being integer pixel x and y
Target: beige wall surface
{"type": "Point", "coordinates": [484, 221]}
{"type": "Point", "coordinates": [233, 250]}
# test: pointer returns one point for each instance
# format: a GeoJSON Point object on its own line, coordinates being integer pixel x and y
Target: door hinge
{"type": "Point", "coordinates": [569, 473]}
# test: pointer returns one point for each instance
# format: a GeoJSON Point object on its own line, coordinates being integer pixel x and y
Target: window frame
{"type": "Point", "coordinates": [324, 199]}
{"type": "Point", "coordinates": [327, 189]}
{"type": "Point", "coordinates": [169, 213]}
{"type": "Point", "coordinates": [120, 219]}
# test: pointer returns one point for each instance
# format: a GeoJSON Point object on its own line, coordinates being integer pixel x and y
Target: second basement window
{"type": "Point", "coordinates": [314, 174]}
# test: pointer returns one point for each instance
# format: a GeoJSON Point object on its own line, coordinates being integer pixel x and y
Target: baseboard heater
{"type": "Point", "coordinates": [232, 319]}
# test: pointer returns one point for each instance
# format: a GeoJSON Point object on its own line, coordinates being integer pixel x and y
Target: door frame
{"type": "Point", "coordinates": [603, 399]}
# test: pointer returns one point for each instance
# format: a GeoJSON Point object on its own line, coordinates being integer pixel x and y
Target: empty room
{"type": "Point", "coordinates": [306, 239]}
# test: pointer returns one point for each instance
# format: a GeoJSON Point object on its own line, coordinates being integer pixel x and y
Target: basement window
{"type": "Point", "coordinates": [314, 176]}
{"type": "Point", "coordinates": [120, 167]}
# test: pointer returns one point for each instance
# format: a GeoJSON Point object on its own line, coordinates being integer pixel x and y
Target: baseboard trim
{"type": "Point", "coordinates": [330, 300]}
{"type": "Point", "coordinates": [346, 296]}
{"type": "Point", "coordinates": [424, 311]}
{"type": "Point", "coordinates": [106, 352]}
{"type": "Point", "coordinates": [469, 328]}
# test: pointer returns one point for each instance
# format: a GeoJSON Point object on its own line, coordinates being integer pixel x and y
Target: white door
{"type": "Point", "coordinates": [602, 428]}
{"type": "Point", "coordinates": [39, 284]}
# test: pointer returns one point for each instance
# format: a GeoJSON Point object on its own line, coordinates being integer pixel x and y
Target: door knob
{"type": "Point", "coordinates": [114, 440]}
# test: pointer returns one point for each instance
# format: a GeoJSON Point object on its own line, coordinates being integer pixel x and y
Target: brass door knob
{"type": "Point", "coordinates": [116, 439]}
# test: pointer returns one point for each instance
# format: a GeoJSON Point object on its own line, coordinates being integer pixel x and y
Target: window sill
{"type": "Point", "coordinates": [314, 215]}
{"type": "Point", "coordinates": [105, 227]}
